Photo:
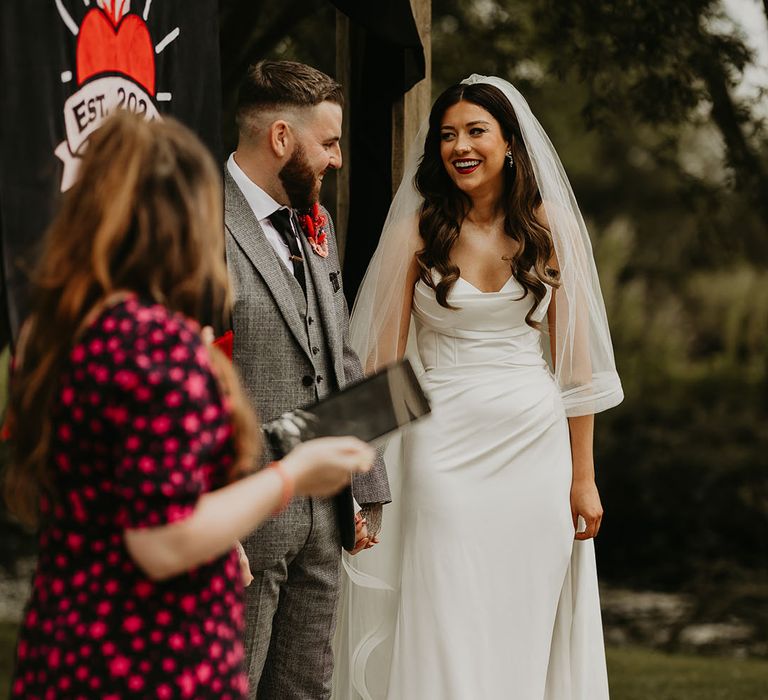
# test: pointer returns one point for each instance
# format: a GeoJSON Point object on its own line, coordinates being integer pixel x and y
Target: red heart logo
{"type": "Point", "coordinates": [126, 48]}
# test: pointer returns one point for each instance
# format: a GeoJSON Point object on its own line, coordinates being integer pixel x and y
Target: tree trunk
{"type": "Point", "coordinates": [746, 162]}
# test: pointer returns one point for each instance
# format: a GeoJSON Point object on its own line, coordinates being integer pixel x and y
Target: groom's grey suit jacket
{"type": "Point", "coordinates": [280, 349]}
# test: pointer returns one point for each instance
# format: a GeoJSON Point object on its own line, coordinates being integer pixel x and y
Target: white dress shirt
{"type": "Point", "coordinates": [262, 206]}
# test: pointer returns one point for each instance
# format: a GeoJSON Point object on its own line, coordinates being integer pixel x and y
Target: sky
{"type": "Point", "coordinates": [750, 16]}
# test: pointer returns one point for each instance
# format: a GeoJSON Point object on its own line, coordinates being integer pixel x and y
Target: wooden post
{"type": "Point", "coordinates": [413, 108]}
{"type": "Point", "coordinates": [343, 176]}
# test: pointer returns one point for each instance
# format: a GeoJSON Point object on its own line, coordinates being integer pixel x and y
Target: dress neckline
{"type": "Point", "coordinates": [480, 291]}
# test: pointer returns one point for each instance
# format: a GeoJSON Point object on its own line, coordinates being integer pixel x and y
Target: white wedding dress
{"type": "Point", "coordinates": [478, 590]}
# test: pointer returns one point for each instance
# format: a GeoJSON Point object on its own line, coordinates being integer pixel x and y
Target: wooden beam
{"type": "Point", "coordinates": [413, 108]}
{"type": "Point", "coordinates": [343, 176]}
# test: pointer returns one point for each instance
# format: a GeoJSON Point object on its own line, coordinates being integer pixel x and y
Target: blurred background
{"type": "Point", "coordinates": [658, 110]}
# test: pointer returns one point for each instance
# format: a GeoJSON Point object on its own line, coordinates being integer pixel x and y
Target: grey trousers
{"type": "Point", "coordinates": [290, 612]}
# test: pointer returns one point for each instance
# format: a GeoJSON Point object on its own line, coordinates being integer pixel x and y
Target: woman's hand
{"type": "Point", "coordinates": [585, 502]}
{"type": "Point", "coordinates": [324, 466]}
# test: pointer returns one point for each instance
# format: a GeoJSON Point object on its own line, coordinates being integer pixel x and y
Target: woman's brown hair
{"type": "Point", "coordinates": [445, 205]}
{"type": "Point", "coordinates": [145, 216]}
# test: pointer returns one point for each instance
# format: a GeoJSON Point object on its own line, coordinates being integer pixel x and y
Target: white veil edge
{"type": "Point", "coordinates": [584, 369]}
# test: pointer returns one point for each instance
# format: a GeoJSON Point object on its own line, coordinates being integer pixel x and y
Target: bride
{"type": "Point", "coordinates": [484, 584]}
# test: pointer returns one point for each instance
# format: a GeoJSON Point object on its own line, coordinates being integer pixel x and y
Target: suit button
{"type": "Point", "coordinates": [319, 379]}
{"type": "Point", "coordinates": [310, 320]}
{"type": "Point", "coordinates": [315, 351]}
{"type": "Point", "coordinates": [306, 380]}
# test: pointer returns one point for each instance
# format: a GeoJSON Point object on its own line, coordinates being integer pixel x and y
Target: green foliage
{"type": "Point", "coordinates": [661, 63]}
{"type": "Point", "coordinates": [647, 88]}
{"type": "Point", "coordinates": [639, 59]}
{"type": "Point", "coordinates": [683, 463]}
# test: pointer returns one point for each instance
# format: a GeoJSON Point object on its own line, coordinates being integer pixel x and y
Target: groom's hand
{"type": "Point", "coordinates": [373, 514]}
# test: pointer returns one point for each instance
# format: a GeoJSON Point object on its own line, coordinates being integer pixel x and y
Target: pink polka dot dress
{"type": "Point", "coordinates": [141, 431]}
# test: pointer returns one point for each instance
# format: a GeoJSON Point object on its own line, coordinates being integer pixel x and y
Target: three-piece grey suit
{"type": "Point", "coordinates": [291, 350]}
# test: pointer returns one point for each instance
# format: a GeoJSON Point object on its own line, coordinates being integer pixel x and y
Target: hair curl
{"type": "Point", "coordinates": [446, 206]}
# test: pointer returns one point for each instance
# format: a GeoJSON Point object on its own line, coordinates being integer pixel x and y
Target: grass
{"type": "Point", "coordinates": [642, 674]}
{"type": "Point", "coordinates": [635, 674]}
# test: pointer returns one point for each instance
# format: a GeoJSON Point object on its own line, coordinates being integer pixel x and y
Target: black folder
{"type": "Point", "coordinates": [372, 409]}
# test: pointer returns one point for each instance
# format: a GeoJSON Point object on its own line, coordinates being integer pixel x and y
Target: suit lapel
{"type": "Point", "coordinates": [318, 269]}
{"type": "Point", "coordinates": [245, 229]}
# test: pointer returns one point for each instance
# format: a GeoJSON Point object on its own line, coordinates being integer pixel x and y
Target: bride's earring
{"type": "Point", "coordinates": [510, 159]}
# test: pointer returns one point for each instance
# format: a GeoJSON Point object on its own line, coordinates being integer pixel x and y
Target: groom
{"type": "Point", "coordinates": [290, 325]}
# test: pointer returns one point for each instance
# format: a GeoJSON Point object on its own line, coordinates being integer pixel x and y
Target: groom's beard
{"type": "Point", "coordinates": [299, 180]}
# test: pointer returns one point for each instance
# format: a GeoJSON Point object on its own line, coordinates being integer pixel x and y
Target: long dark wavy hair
{"type": "Point", "coordinates": [445, 205]}
{"type": "Point", "coordinates": [145, 216]}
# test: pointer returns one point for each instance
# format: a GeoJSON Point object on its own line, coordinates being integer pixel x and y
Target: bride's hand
{"type": "Point", "coordinates": [362, 540]}
{"type": "Point", "coordinates": [585, 502]}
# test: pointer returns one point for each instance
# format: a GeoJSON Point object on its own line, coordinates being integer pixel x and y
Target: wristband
{"type": "Point", "coordinates": [289, 487]}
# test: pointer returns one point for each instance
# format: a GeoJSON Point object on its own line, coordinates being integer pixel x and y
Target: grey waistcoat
{"type": "Point", "coordinates": [314, 338]}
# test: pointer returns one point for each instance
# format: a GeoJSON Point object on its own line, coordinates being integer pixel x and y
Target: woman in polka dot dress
{"type": "Point", "coordinates": [128, 432]}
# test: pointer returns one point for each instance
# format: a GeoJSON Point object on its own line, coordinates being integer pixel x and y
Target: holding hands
{"type": "Point", "coordinates": [323, 466]}
{"type": "Point", "coordinates": [367, 527]}
{"type": "Point", "coordinates": [320, 468]}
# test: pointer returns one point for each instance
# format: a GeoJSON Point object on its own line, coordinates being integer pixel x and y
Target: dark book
{"type": "Point", "coordinates": [371, 409]}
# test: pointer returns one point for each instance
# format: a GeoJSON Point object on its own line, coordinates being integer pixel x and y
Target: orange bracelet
{"type": "Point", "coordinates": [289, 486]}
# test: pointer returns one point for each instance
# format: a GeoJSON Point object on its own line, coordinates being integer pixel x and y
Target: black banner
{"type": "Point", "coordinates": [64, 66]}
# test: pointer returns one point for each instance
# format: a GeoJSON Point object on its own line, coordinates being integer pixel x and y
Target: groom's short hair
{"type": "Point", "coordinates": [271, 85]}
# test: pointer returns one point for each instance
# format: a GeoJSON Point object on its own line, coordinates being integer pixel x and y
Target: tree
{"type": "Point", "coordinates": [642, 80]}
{"type": "Point", "coordinates": [659, 63]}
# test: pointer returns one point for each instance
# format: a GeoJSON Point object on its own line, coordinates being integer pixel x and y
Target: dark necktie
{"type": "Point", "coordinates": [281, 220]}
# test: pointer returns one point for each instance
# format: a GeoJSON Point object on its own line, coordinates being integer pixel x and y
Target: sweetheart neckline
{"type": "Point", "coordinates": [480, 291]}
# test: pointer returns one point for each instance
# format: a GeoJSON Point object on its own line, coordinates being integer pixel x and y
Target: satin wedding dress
{"type": "Point", "coordinates": [479, 590]}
